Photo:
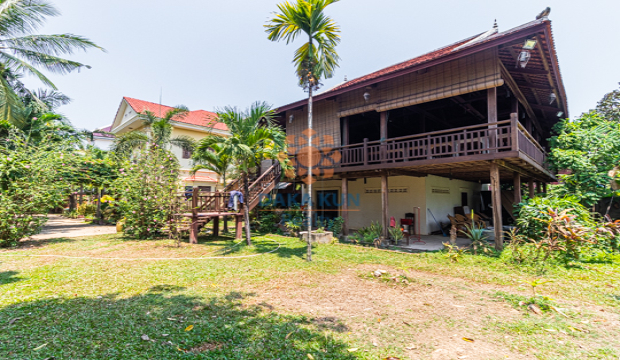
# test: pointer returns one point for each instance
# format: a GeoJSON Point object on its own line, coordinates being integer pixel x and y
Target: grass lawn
{"type": "Point", "coordinates": [102, 301]}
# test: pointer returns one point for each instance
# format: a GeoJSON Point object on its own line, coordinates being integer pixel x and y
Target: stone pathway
{"type": "Point", "coordinates": [61, 227]}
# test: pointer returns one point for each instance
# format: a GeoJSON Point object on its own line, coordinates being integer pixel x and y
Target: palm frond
{"type": "Point", "coordinates": [125, 144]}
{"type": "Point", "coordinates": [24, 16]}
{"type": "Point", "coordinates": [57, 44]}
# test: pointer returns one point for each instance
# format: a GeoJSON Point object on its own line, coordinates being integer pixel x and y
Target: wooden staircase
{"type": "Point", "coordinates": [205, 207]}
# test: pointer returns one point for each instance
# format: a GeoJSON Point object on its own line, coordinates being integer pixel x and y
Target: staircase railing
{"type": "Point", "coordinates": [202, 202]}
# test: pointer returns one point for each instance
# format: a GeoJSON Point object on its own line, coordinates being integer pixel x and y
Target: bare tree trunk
{"type": "Point", "coordinates": [81, 194]}
{"type": "Point", "coordinates": [246, 208]}
{"type": "Point", "coordinates": [98, 215]}
{"type": "Point", "coordinates": [309, 238]}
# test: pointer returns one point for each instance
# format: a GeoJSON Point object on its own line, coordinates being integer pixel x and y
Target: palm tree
{"type": "Point", "coordinates": [22, 52]}
{"type": "Point", "coordinates": [160, 134]}
{"type": "Point", "coordinates": [254, 136]}
{"type": "Point", "coordinates": [210, 156]}
{"type": "Point", "coordinates": [314, 60]}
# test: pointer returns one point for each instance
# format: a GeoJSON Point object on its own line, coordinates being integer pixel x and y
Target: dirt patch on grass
{"type": "Point", "coordinates": [428, 317]}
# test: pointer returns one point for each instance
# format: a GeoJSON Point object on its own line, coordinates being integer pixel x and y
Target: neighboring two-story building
{"type": "Point", "coordinates": [429, 132]}
{"type": "Point", "coordinates": [197, 124]}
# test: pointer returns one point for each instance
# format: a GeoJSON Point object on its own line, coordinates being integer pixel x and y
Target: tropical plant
{"type": "Point", "coordinates": [314, 60]}
{"type": "Point", "coordinates": [146, 191]}
{"type": "Point", "coordinates": [30, 186]}
{"type": "Point", "coordinates": [533, 214]}
{"type": "Point", "coordinates": [609, 106]}
{"type": "Point", "coordinates": [477, 235]}
{"type": "Point", "coordinates": [23, 52]}
{"type": "Point", "coordinates": [587, 149]}
{"type": "Point", "coordinates": [396, 233]}
{"type": "Point", "coordinates": [254, 136]}
{"type": "Point", "coordinates": [160, 134]}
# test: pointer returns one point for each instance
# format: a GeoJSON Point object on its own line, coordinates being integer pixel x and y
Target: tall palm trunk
{"type": "Point", "coordinates": [309, 239]}
{"type": "Point", "coordinates": [246, 208]}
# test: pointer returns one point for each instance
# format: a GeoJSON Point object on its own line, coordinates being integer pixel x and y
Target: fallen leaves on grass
{"type": "Point", "coordinates": [39, 347]}
{"type": "Point", "coordinates": [13, 320]}
{"type": "Point", "coordinates": [145, 338]}
{"type": "Point", "coordinates": [189, 328]}
{"type": "Point", "coordinates": [468, 339]}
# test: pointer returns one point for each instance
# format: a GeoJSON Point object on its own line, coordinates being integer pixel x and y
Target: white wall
{"type": "Point", "coordinates": [419, 194]}
{"type": "Point", "coordinates": [369, 207]}
{"type": "Point", "coordinates": [443, 205]}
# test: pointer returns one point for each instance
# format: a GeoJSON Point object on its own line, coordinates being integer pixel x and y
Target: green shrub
{"type": "Point", "coordinates": [29, 187]}
{"type": "Point", "coordinates": [532, 216]}
{"type": "Point", "coordinates": [147, 189]}
{"type": "Point", "coordinates": [87, 209]}
{"type": "Point", "coordinates": [267, 220]}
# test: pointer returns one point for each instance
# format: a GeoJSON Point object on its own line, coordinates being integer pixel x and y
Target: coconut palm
{"type": "Point", "coordinates": [210, 156]}
{"type": "Point", "coordinates": [160, 133]}
{"type": "Point", "coordinates": [254, 136]}
{"type": "Point", "coordinates": [314, 60]}
{"type": "Point", "coordinates": [23, 52]}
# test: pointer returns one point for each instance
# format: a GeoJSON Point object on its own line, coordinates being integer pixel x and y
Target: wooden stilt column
{"type": "Point", "coordinates": [544, 188]}
{"type": "Point", "coordinates": [496, 196]}
{"type": "Point", "coordinates": [530, 185]}
{"type": "Point", "coordinates": [384, 135]}
{"type": "Point", "coordinates": [238, 227]}
{"type": "Point", "coordinates": [216, 226]}
{"type": "Point", "coordinates": [517, 186]}
{"type": "Point", "coordinates": [385, 221]}
{"type": "Point", "coordinates": [345, 206]}
{"type": "Point", "coordinates": [193, 230]}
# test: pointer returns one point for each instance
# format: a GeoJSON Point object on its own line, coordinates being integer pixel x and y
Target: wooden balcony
{"type": "Point", "coordinates": [428, 152]}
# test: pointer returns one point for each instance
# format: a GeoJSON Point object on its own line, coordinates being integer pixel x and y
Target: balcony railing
{"type": "Point", "coordinates": [466, 142]}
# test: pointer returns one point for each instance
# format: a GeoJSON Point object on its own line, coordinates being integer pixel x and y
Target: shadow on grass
{"type": "Point", "coordinates": [163, 324]}
{"type": "Point", "coordinates": [7, 277]}
{"type": "Point", "coordinates": [34, 244]}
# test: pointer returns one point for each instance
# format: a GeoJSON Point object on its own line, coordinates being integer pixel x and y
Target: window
{"type": "Point", "coordinates": [187, 153]}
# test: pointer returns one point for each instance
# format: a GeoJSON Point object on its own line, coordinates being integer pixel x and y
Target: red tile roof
{"type": "Point", "coordinates": [196, 117]}
{"type": "Point", "coordinates": [200, 178]}
{"type": "Point", "coordinates": [456, 48]}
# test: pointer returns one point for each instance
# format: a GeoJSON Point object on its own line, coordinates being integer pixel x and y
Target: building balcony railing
{"type": "Point", "coordinates": [468, 143]}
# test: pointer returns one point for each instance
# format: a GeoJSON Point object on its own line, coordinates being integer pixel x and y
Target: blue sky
{"type": "Point", "coordinates": [207, 54]}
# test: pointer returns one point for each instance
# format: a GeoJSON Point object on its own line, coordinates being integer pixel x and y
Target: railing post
{"type": "Point", "coordinates": [366, 151]}
{"type": "Point", "coordinates": [514, 131]}
{"type": "Point", "coordinates": [195, 200]}
{"type": "Point", "coordinates": [429, 150]}
{"type": "Point", "coordinates": [217, 202]}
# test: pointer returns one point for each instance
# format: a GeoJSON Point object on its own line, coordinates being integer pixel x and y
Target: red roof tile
{"type": "Point", "coordinates": [415, 62]}
{"type": "Point", "coordinates": [197, 117]}
{"type": "Point", "coordinates": [200, 178]}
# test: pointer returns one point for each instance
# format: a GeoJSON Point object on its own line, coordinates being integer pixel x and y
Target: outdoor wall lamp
{"type": "Point", "coordinates": [524, 57]}
{"type": "Point", "coordinates": [366, 96]}
{"type": "Point", "coordinates": [552, 98]}
{"type": "Point", "coordinates": [290, 119]}
{"type": "Point", "coordinates": [530, 44]}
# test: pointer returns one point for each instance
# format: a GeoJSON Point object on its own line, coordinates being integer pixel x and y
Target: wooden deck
{"type": "Point", "coordinates": [463, 153]}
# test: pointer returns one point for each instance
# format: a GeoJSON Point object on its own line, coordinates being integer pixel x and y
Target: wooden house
{"type": "Point", "coordinates": [429, 132]}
